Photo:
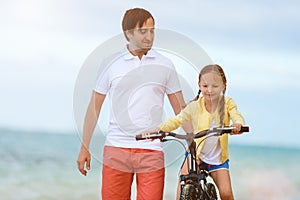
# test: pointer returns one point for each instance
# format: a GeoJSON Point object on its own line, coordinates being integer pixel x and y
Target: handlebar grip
{"type": "Point", "coordinates": [140, 137]}
{"type": "Point", "coordinates": [228, 129]}
{"type": "Point", "coordinates": [245, 129]}
{"type": "Point", "coordinates": [153, 135]}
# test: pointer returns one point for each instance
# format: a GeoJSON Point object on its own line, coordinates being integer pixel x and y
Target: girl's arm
{"type": "Point", "coordinates": [235, 116]}
{"type": "Point", "coordinates": [177, 121]}
{"type": "Point", "coordinates": [178, 104]}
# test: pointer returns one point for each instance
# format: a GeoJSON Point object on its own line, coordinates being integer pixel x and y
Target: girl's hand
{"type": "Point", "coordinates": [237, 129]}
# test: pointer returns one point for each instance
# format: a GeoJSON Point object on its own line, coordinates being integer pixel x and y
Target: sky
{"type": "Point", "coordinates": [44, 45]}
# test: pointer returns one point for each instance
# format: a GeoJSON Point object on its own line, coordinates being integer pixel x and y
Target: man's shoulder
{"type": "Point", "coordinates": [159, 56]}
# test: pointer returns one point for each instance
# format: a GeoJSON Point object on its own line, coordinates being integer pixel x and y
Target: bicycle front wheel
{"type": "Point", "coordinates": [188, 192]}
{"type": "Point", "coordinates": [211, 191]}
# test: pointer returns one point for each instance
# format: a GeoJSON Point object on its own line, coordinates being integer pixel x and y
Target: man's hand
{"type": "Point", "coordinates": [84, 159]}
{"type": "Point", "coordinates": [149, 132]}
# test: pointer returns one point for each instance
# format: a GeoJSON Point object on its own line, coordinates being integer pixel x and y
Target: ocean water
{"type": "Point", "coordinates": [38, 166]}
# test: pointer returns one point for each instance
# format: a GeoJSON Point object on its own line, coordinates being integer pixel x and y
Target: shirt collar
{"type": "Point", "coordinates": [150, 54]}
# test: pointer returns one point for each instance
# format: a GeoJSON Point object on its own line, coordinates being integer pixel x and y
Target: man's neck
{"type": "Point", "coordinates": [138, 52]}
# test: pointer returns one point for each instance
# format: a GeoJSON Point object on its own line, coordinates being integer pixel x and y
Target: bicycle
{"type": "Point", "coordinates": [194, 185]}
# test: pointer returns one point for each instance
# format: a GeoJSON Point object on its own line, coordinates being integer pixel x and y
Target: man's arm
{"type": "Point", "coordinates": [91, 118]}
{"type": "Point", "coordinates": [177, 102]}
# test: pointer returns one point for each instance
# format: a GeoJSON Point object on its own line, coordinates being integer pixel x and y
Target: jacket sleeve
{"type": "Point", "coordinates": [177, 121]}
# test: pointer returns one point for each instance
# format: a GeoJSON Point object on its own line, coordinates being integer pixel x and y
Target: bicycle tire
{"type": "Point", "coordinates": [188, 192]}
{"type": "Point", "coordinates": [211, 191]}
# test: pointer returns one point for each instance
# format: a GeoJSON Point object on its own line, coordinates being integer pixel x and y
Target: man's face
{"type": "Point", "coordinates": [141, 39]}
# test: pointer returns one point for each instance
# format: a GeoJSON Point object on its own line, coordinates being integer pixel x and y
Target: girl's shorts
{"type": "Point", "coordinates": [211, 168]}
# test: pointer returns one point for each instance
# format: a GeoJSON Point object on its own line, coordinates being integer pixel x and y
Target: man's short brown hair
{"type": "Point", "coordinates": [133, 17]}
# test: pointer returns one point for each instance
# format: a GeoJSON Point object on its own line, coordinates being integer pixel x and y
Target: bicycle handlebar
{"type": "Point", "coordinates": [218, 130]}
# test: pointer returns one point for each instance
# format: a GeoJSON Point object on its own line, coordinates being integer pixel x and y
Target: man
{"type": "Point", "coordinates": [136, 82]}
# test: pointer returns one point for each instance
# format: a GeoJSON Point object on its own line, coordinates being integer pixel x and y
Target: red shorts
{"type": "Point", "coordinates": [119, 167]}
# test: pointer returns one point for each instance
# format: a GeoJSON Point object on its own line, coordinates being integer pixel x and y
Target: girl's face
{"type": "Point", "coordinates": [211, 86]}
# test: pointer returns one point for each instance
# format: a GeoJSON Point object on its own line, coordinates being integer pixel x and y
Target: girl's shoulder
{"type": "Point", "coordinates": [229, 99]}
{"type": "Point", "coordinates": [229, 103]}
{"type": "Point", "coordinates": [192, 103]}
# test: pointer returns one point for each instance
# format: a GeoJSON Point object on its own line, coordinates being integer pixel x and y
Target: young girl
{"type": "Point", "coordinates": [211, 109]}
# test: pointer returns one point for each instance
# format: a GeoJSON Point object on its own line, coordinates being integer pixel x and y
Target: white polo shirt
{"type": "Point", "coordinates": [136, 90]}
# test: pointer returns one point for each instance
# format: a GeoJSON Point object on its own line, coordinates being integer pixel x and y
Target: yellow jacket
{"type": "Point", "coordinates": [201, 120]}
